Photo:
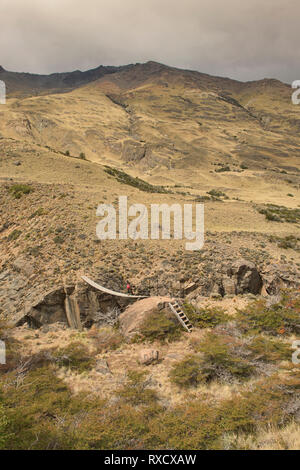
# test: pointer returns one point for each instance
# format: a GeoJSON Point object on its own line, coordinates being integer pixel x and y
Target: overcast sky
{"type": "Point", "coordinates": [240, 39]}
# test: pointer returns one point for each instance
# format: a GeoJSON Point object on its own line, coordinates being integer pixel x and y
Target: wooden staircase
{"type": "Point", "coordinates": [181, 316]}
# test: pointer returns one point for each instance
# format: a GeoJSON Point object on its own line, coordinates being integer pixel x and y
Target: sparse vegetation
{"type": "Point", "coordinates": [216, 194]}
{"type": "Point", "coordinates": [135, 391]}
{"type": "Point", "coordinates": [75, 356]}
{"type": "Point", "coordinates": [278, 319]}
{"type": "Point", "coordinates": [269, 349]}
{"type": "Point", "coordinates": [138, 183]}
{"type": "Point", "coordinates": [280, 213]}
{"type": "Point", "coordinates": [159, 326]}
{"type": "Point", "coordinates": [14, 235]}
{"type": "Point", "coordinates": [106, 338]}
{"type": "Point", "coordinates": [18, 190]}
{"type": "Point", "coordinates": [290, 241]}
{"type": "Point", "coordinates": [205, 317]}
{"type": "Point", "coordinates": [40, 211]}
{"type": "Point", "coordinates": [188, 372]}
{"type": "Point", "coordinates": [222, 169]}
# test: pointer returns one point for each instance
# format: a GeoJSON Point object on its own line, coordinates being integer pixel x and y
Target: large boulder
{"type": "Point", "coordinates": [244, 278]}
{"type": "Point", "coordinates": [132, 319]}
{"type": "Point", "coordinates": [148, 356]}
{"type": "Point", "coordinates": [229, 285]}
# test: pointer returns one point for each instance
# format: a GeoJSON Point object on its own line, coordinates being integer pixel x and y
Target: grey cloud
{"type": "Point", "coordinates": [242, 40]}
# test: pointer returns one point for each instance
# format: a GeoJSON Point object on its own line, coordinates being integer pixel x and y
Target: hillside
{"type": "Point", "coordinates": [69, 142]}
{"type": "Point", "coordinates": [169, 125]}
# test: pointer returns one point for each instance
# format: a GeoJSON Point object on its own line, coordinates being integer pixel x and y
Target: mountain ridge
{"type": "Point", "coordinates": [75, 78]}
{"type": "Point", "coordinates": [163, 124]}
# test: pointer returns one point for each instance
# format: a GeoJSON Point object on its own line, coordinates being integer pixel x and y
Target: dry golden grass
{"type": "Point", "coordinates": [272, 438]}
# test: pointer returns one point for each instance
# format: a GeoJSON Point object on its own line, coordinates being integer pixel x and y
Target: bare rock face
{"type": "Point", "coordinates": [148, 356]}
{"type": "Point", "coordinates": [229, 285]}
{"type": "Point", "coordinates": [245, 277]}
{"type": "Point", "coordinates": [133, 151]}
{"type": "Point", "coordinates": [279, 276]}
{"type": "Point", "coordinates": [102, 367]}
{"type": "Point", "coordinates": [22, 265]}
{"type": "Point", "coordinates": [94, 306]}
{"type": "Point", "coordinates": [47, 309]}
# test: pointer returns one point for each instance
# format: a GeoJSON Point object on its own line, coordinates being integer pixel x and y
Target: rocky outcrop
{"type": "Point", "coordinates": [229, 285]}
{"type": "Point", "coordinates": [278, 276]}
{"type": "Point", "coordinates": [47, 309]}
{"type": "Point", "coordinates": [133, 151]}
{"type": "Point", "coordinates": [238, 277]}
{"type": "Point", "coordinates": [94, 307]}
{"type": "Point", "coordinates": [243, 278]}
{"type": "Point", "coordinates": [24, 266]}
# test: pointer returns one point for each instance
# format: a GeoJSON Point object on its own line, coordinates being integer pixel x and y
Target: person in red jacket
{"type": "Point", "coordinates": [128, 287]}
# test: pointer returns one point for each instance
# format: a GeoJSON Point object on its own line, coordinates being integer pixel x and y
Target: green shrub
{"type": "Point", "coordinates": [138, 183]}
{"type": "Point", "coordinates": [221, 359]}
{"type": "Point", "coordinates": [222, 169]}
{"type": "Point", "coordinates": [121, 427]}
{"type": "Point", "coordinates": [269, 349]}
{"type": "Point", "coordinates": [17, 190]}
{"type": "Point", "coordinates": [76, 356]}
{"type": "Point", "coordinates": [205, 317]}
{"type": "Point", "coordinates": [135, 391]}
{"type": "Point", "coordinates": [289, 242]}
{"type": "Point", "coordinates": [159, 326]}
{"type": "Point", "coordinates": [40, 411]}
{"type": "Point", "coordinates": [188, 372]}
{"type": "Point", "coordinates": [58, 239]}
{"type": "Point", "coordinates": [40, 211]}
{"type": "Point", "coordinates": [191, 425]}
{"type": "Point", "coordinates": [14, 235]}
{"type": "Point", "coordinates": [277, 319]}
{"type": "Point", "coordinates": [216, 193]}
{"type": "Point", "coordinates": [269, 403]}
{"type": "Point", "coordinates": [202, 198]}
{"type": "Point", "coordinates": [4, 426]}
{"type": "Point", "coordinates": [280, 213]}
